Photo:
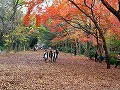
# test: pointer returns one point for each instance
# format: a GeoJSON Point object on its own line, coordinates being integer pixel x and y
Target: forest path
{"type": "Point", "coordinates": [27, 70]}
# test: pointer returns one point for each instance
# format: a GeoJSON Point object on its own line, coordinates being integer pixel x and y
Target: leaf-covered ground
{"type": "Point", "coordinates": [28, 71]}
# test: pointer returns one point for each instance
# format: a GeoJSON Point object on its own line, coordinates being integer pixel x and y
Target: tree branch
{"type": "Point", "coordinates": [80, 27]}
{"type": "Point", "coordinates": [111, 9]}
{"type": "Point", "coordinates": [14, 10]}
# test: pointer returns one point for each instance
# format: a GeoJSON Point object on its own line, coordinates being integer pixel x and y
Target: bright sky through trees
{"type": "Point", "coordinates": [43, 5]}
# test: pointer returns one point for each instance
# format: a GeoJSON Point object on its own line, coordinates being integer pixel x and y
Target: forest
{"type": "Point", "coordinates": [81, 26]}
{"type": "Point", "coordinates": [78, 29]}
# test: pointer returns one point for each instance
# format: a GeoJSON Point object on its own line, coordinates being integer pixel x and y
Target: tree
{"type": "Point", "coordinates": [87, 8]}
{"type": "Point", "coordinates": [8, 16]}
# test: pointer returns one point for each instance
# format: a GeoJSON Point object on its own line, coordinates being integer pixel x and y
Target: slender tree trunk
{"type": "Point", "coordinates": [87, 49]}
{"type": "Point", "coordinates": [17, 47]}
{"type": "Point", "coordinates": [1, 35]}
{"type": "Point", "coordinates": [71, 49]}
{"type": "Point", "coordinates": [63, 46]}
{"type": "Point", "coordinates": [66, 46]}
{"type": "Point", "coordinates": [24, 46]}
{"type": "Point", "coordinates": [99, 48]}
{"type": "Point", "coordinates": [76, 46]}
{"type": "Point", "coordinates": [3, 29]}
{"type": "Point", "coordinates": [79, 45]}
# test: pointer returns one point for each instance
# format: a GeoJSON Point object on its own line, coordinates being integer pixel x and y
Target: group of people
{"type": "Point", "coordinates": [97, 57]}
{"type": "Point", "coordinates": [52, 54]}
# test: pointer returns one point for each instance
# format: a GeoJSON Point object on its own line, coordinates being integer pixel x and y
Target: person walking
{"type": "Point", "coordinates": [57, 52]}
{"type": "Point", "coordinates": [45, 55]}
{"type": "Point", "coordinates": [96, 57]}
{"type": "Point", "coordinates": [54, 56]}
{"type": "Point", "coordinates": [51, 55]}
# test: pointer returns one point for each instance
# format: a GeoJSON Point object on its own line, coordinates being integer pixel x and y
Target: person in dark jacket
{"type": "Point", "coordinates": [96, 57]}
{"type": "Point", "coordinates": [51, 55]}
{"type": "Point", "coordinates": [57, 52]}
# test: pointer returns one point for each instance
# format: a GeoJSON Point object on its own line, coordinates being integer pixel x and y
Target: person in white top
{"type": "Point", "coordinates": [54, 56]}
{"type": "Point", "coordinates": [45, 55]}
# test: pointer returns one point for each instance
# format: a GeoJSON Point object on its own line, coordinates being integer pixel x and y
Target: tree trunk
{"type": "Point", "coordinates": [106, 54]}
{"type": "Point", "coordinates": [76, 46]}
{"type": "Point", "coordinates": [3, 28]}
{"type": "Point", "coordinates": [87, 49]}
{"type": "Point", "coordinates": [66, 47]}
{"type": "Point", "coordinates": [71, 49]}
{"type": "Point", "coordinates": [104, 45]}
{"type": "Point", "coordinates": [1, 35]}
{"type": "Point", "coordinates": [79, 45]}
{"type": "Point", "coordinates": [99, 48]}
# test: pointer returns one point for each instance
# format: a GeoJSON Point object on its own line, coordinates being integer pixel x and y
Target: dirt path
{"type": "Point", "coordinates": [28, 71]}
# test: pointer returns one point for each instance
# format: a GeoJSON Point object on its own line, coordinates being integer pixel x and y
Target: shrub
{"type": "Point", "coordinates": [113, 61]}
{"type": "Point", "coordinates": [1, 48]}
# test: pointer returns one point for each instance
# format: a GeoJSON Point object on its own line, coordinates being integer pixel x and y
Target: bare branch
{"type": "Point", "coordinates": [14, 10]}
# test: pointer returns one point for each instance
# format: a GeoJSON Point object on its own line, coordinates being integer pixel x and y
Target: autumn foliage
{"type": "Point", "coordinates": [52, 16]}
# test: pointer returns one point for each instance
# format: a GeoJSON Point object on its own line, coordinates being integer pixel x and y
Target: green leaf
{"type": "Point", "coordinates": [20, 1]}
